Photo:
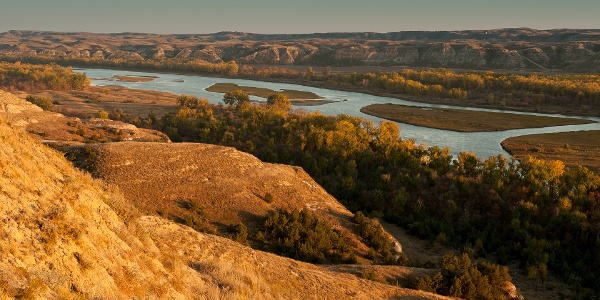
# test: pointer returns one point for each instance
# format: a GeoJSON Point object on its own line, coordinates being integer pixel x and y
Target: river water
{"type": "Point", "coordinates": [483, 144]}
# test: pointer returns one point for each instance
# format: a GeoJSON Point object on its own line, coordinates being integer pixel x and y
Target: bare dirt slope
{"type": "Point", "coordinates": [65, 235]}
{"type": "Point", "coordinates": [226, 185]}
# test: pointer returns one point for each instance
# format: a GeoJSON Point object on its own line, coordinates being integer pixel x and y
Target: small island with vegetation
{"type": "Point", "coordinates": [462, 120]}
{"type": "Point", "coordinates": [296, 97]}
{"type": "Point", "coordinates": [132, 78]}
{"type": "Point", "coordinates": [579, 148]}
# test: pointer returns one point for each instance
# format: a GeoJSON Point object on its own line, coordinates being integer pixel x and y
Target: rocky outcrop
{"type": "Point", "coordinates": [209, 54]}
{"type": "Point", "coordinates": [57, 128]}
{"type": "Point", "coordinates": [572, 53]}
{"type": "Point", "coordinates": [502, 58]}
{"type": "Point", "coordinates": [125, 55]}
{"type": "Point", "coordinates": [98, 54]}
{"type": "Point", "coordinates": [536, 55]}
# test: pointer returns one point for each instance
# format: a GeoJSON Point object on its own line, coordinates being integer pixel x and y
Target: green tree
{"type": "Point", "coordinates": [310, 73]}
{"type": "Point", "coordinates": [236, 98]}
{"type": "Point", "coordinates": [102, 114]}
{"type": "Point", "coordinates": [43, 102]}
{"type": "Point", "coordinates": [231, 68]}
{"type": "Point", "coordinates": [279, 100]}
{"type": "Point", "coordinates": [188, 101]}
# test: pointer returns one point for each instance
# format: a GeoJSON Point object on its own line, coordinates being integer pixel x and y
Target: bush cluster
{"type": "Point", "coordinates": [302, 235]}
{"type": "Point", "coordinates": [375, 237]}
{"type": "Point", "coordinates": [43, 102]}
{"type": "Point", "coordinates": [462, 279]}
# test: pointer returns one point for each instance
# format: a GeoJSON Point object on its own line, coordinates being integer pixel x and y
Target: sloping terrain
{"type": "Point", "coordinates": [111, 98]}
{"type": "Point", "coordinates": [575, 50]}
{"type": "Point", "coordinates": [65, 235]}
{"type": "Point", "coordinates": [56, 127]}
{"type": "Point", "coordinates": [185, 182]}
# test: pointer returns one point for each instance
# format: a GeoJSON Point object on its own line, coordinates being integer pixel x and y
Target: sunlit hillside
{"type": "Point", "coordinates": [65, 235]}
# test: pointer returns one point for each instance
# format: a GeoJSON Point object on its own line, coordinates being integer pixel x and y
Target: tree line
{"type": "Point", "coordinates": [537, 212]}
{"type": "Point", "coordinates": [28, 77]}
{"type": "Point", "coordinates": [463, 88]}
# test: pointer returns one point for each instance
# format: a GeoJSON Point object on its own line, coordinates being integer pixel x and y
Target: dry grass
{"type": "Point", "coordinates": [185, 182]}
{"type": "Point", "coordinates": [56, 128]}
{"type": "Point", "coordinates": [63, 236]}
{"type": "Point", "coordinates": [463, 120]}
{"type": "Point", "coordinates": [580, 148]}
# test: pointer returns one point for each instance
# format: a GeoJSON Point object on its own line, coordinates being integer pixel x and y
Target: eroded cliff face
{"type": "Point", "coordinates": [508, 49]}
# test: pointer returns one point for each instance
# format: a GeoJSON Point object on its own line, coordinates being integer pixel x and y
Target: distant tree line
{"type": "Point", "coordinates": [464, 88]}
{"type": "Point", "coordinates": [27, 77]}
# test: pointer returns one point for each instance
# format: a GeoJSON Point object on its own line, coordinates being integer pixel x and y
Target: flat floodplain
{"type": "Point", "coordinates": [579, 148]}
{"type": "Point", "coordinates": [464, 120]}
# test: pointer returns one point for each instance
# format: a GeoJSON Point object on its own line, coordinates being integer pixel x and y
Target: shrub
{"type": "Point", "coordinates": [102, 114]}
{"type": "Point", "coordinates": [374, 235]}
{"type": "Point", "coordinates": [459, 278]}
{"type": "Point", "coordinates": [43, 102]}
{"type": "Point", "coordinates": [269, 197]}
{"type": "Point", "coordinates": [239, 233]}
{"type": "Point", "coordinates": [302, 235]}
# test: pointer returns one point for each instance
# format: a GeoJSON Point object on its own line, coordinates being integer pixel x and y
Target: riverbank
{"type": "Point", "coordinates": [470, 103]}
{"type": "Point", "coordinates": [464, 120]}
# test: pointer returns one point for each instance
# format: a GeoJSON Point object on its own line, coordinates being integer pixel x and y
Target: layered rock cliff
{"type": "Point", "coordinates": [507, 49]}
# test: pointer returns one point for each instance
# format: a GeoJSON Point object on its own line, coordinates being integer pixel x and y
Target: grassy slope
{"type": "Point", "coordinates": [65, 235]}
{"type": "Point", "coordinates": [184, 180]}
{"type": "Point", "coordinates": [52, 126]}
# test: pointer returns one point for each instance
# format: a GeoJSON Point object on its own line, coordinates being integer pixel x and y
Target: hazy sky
{"type": "Point", "coordinates": [296, 16]}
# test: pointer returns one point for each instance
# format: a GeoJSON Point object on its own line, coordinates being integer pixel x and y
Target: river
{"type": "Point", "coordinates": [483, 144]}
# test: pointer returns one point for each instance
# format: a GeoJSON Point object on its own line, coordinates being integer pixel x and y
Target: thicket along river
{"type": "Point", "coordinates": [483, 144]}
